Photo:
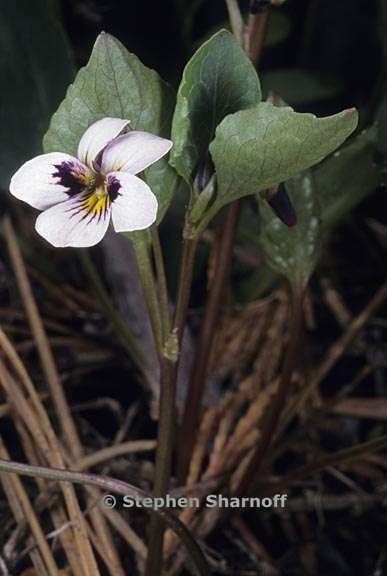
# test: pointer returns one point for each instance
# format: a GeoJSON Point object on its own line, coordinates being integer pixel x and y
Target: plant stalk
{"type": "Point", "coordinates": [184, 286]}
{"type": "Point", "coordinates": [163, 465]}
{"type": "Point", "coordinates": [167, 416]}
{"type": "Point", "coordinates": [236, 19]}
{"type": "Point", "coordinates": [144, 263]}
{"type": "Point", "coordinates": [161, 281]}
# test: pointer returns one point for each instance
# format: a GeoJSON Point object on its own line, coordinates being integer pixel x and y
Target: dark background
{"type": "Point", "coordinates": [332, 38]}
{"type": "Point", "coordinates": [321, 56]}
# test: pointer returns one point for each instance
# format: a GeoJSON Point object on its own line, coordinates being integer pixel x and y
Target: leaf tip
{"type": "Point", "coordinates": [353, 114]}
{"type": "Point", "coordinates": [104, 37]}
{"type": "Point", "coordinates": [223, 32]}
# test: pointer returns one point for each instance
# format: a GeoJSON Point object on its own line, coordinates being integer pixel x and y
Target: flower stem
{"type": "Point", "coordinates": [159, 316]}
{"type": "Point", "coordinates": [255, 34]}
{"type": "Point", "coordinates": [145, 268]}
{"type": "Point", "coordinates": [184, 286]}
{"type": "Point", "coordinates": [236, 19]}
{"type": "Point", "coordinates": [161, 281]}
{"type": "Point", "coordinates": [167, 416]}
{"type": "Point", "coordinates": [163, 464]}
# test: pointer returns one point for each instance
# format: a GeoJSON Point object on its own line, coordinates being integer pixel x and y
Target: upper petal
{"type": "Point", "coordinates": [74, 223]}
{"type": "Point", "coordinates": [97, 136]}
{"type": "Point", "coordinates": [134, 206]}
{"type": "Point", "coordinates": [133, 152]}
{"type": "Point", "coordinates": [49, 179]}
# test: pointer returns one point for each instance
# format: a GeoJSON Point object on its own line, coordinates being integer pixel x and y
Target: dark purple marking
{"type": "Point", "coordinates": [113, 187]}
{"type": "Point", "coordinates": [282, 206]}
{"type": "Point", "coordinates": [69, 176]}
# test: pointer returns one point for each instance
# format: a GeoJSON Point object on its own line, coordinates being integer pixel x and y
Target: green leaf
{"type": "Point", "coordinates": [218, 80]}
{"type": "Point", "coordinates": [115, 83]}
{"type": "Point", "coordinates": [257, 149]}
{"type": "Point", "coordinates": [35, 68]}
{"type": "Point", "coordinates": [294, 251]}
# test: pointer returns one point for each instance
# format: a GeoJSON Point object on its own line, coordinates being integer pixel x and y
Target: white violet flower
{"type": "Point", "coordinates": [78, 196]}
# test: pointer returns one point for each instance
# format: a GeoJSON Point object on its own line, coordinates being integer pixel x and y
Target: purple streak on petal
{"type": "Point", "coordinates": [113, 186]}
{"type": "Point", "coordinates": [70, 175]}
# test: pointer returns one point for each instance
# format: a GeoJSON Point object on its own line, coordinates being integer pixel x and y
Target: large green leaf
{"type": "Point", "coordinates": [256, 149]}
{"type": "Point", "coordinates": [115, 83]}
{"type": "Point", "coordinates": [35, 68]}
{"type": "Point", "coordinates": [218, 80]}
{"type": "Point", "coordinates": [293, 252]}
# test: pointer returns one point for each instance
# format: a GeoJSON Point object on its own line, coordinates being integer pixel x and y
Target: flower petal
{"type": "Point", "coordinates": [133, 152]}
{"type": "Point", "coordinates": [49, 179]}
{"type": "Point", "coordinates": [97, 136]}
{"type": "Point", "coordinates": [72, 223]}
{"type": "Point", "coordinates": [134, 206]}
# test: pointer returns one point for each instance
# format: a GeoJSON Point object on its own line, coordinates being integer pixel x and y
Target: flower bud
{"type": "Point", "coordinates": [279, 201]}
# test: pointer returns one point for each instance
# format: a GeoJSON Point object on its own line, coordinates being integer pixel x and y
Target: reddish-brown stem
{"type": "Point", "coordinates": [211, 314]}
{"type": "Point", "coordinates": [185, 281]}
{"type": "Point", "coordinates": [255, 35]}
{"type": "Point", "coordinates": [163, 462]}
